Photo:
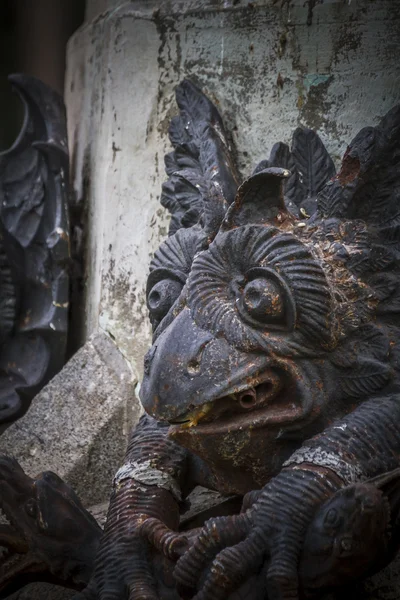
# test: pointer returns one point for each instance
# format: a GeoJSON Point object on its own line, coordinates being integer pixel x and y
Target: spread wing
{"type": "Point", "coordinates": [34, 249]}
{"type": "Point", "coordinates": [202, 175]}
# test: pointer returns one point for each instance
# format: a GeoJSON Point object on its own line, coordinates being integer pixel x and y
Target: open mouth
{"type": "Point", "coordinates": [273, 400]}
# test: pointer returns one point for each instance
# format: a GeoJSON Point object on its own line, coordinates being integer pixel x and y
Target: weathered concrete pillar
{"type": "Point", "coordinates": [270, 66]}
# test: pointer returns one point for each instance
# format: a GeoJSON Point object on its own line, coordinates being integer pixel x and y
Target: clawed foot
{"type": "Point", "coordinates": [268, 536]}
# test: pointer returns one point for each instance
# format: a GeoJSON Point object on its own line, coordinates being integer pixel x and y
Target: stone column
{"type": "Point", "coordinates": [270, 66]}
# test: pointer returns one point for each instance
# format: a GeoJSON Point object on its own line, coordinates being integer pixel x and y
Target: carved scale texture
{"type": "Point", "coordinates": [24, 195]}
{"type": "Point", "coordinates": [35, 244]}
{"type": "Point", "coordinates": [8, 300]}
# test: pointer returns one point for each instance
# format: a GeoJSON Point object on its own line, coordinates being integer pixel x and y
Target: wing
{"type": "Point", "coordinates": [202, 175]}
{"type": "Point", "coordinates": [34, 249]}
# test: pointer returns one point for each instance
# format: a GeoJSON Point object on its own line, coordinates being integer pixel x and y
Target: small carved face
{"type": "Point", "coordinates": [347, 538]}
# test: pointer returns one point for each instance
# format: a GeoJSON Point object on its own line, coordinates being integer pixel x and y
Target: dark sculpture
{"type": "Point", "coordinates": [354, 533]}
{"type": "Point", "coordinates": [274, 362]}
{"type": "Point", "coordinates": [34, 249]}
{"type": "Point", "coordinates": [49, 535]}
{"type": "Point", "coordinates": [273, 372]}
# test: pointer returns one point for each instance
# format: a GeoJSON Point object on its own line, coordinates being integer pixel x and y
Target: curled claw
{"type": "Point", "coordinates": [172, 545]}
{"type": "Point", "coordinates": [267, 538]}
{"type": "Point", "coordinates": [217, 534]}
{"type": "Point", "coordinates": [249, 499]}
{"type": "Point", "coordinates": [231, 566]}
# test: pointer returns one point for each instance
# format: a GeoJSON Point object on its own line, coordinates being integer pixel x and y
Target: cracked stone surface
{"type": "Point", "coordinates": [78, 425]}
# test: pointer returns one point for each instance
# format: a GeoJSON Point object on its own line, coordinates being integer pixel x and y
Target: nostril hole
{"type": "Point", "coordinates": [247, 400]}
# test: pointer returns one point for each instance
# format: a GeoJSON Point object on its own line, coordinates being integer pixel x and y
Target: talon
{"type": "Point", "coordinates": [172, 545]}
{"type": "Point", "coordinates": [217, 534]}
{"type": "Point", "coordinates": [282, 580]}
{"type": "Point", "coordinates": [230, 568]}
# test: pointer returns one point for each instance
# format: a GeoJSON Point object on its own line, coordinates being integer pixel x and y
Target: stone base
{"type": "Point", "coordinates": [78, 425]}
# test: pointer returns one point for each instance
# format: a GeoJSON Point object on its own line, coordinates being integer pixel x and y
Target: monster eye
{"type": "Point", "coordinates": [162, 296]}
{"type": "Point", "coordinates": [266, 299]}
{"type": "Point", "coordinates": [332, 518]}
{"type": "Point", "coordinates": [263, 301]}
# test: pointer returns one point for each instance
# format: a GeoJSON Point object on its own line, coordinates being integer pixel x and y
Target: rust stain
{"type": "Point", "coordinates": [350, 169]}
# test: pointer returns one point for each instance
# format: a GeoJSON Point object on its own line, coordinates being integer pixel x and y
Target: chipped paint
{"type": "Point", "coordinates": [143, 472]}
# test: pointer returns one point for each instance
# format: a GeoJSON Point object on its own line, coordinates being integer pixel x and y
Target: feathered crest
{"type": "Point", "coordinates": [310, 168]}
{"type": "Point", "coordinates": [203, 180]}
{"type": "Point", "coordinates": [202, 174]}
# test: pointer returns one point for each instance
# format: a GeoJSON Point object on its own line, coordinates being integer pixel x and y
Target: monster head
{"type": "Point", "coordinates": [276, 312]}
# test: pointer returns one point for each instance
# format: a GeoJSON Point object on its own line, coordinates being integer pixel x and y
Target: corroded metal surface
{"type": "Point", "coordinates": [51, 537]}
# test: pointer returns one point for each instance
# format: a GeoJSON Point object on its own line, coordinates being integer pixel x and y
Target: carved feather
{"type": "Point", "coordinates": [310, 166]}
{"type": "Point", "coordinates": [202, 175]}
{"type": "Point", "coordinates": [369, 342]}
{"type": "Point", "coordinates": [365, 379]}
{"type": "Point", "coordinates": [368, 184]}
{"type": "Point", "coordinates": [312, 161]}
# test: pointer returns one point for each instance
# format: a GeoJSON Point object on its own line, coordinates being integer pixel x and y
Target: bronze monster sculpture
{"type": "Point", "coordinates": [274, 363]}
{"type": "Point", "coordinates": [273, 372]}
{"type": "Point", "coordinates": [34, 249]}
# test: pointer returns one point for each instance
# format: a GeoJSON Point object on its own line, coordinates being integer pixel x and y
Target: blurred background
{"type": "Point", "coordinates": [33, 37]}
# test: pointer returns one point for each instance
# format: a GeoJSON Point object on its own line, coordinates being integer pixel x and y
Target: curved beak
{"type": "Point", "coordinates": [187, 369]}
